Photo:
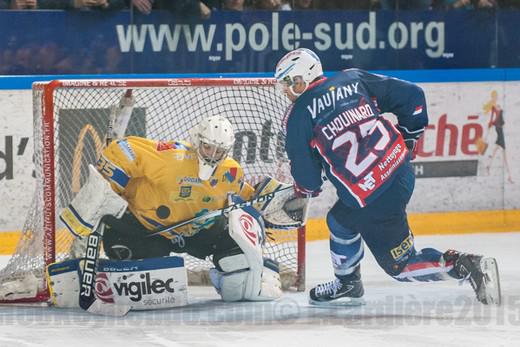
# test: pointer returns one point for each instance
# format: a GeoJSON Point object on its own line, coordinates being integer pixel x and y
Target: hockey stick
{"type": "Point", "coordinates": [169, 230]}
{"type": "Point", "coordinates": [87, 296]}
{"type": "Point", "coordinates": [117, 124]}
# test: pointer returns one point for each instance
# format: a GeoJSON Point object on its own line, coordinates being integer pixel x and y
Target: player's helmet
{"type": "Point", "coordinates": [301, 62]}
{"type": "Point", "coordinates": [212, 138]}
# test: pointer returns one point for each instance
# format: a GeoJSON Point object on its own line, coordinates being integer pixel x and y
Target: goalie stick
{"type": "Point", "coordinates": [169, 230]}
{"type": "Point", "coordinates": [117, 124]}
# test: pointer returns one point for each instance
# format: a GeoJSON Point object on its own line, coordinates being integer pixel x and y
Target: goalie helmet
{"type": "Point", "coordinates": [212, 138]}
{"type": "Point", "coordinates": [300, 63]}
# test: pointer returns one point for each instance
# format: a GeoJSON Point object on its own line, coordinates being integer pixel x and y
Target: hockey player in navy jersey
{"type": "Point", "coordinates": [334, 126]}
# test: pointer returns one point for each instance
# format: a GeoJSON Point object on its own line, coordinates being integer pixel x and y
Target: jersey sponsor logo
{"type": "Point", "coordinates": [126, 149]}
{"type": "Point", "coordinates": [247, 224]}
{"type": "Point", "coordinates": [401, 250]}
{"type": "Point", "coordinates": [328, 100]}
{"type": "Point", "coordinates": [103, 290]}
{"type": "Point", "coordinates": [207, 199]}
{"type": "Point", "coordinates": [135, 290]}
{"type": "Point", "coordinates": [418, 110]}
{"type": "Point", "coordinates": [230, 175]}
{"type": "Point", "coordinates": [185, 192]}
{"type": "Point", "coordinates": [189, 180]}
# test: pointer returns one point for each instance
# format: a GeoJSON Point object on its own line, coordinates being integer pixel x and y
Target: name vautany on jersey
{"type": "Point", "coordinates": [329, 99]}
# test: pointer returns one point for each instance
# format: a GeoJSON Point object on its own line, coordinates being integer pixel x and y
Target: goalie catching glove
{"type": "Point", "coordinates": [286, 210]}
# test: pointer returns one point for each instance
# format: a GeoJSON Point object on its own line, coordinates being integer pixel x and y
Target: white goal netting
{"type": "Point", "coordinates": [70, 126]}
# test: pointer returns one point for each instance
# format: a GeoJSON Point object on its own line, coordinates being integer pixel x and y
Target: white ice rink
{"type": "Point", "coordinates": [396, 314]}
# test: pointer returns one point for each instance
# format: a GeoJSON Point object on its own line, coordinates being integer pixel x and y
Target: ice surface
{"type": "Point", "coordinates": [396, 314]}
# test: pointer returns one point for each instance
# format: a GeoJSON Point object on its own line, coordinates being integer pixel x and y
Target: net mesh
{"type": "Point", "coordinates": [162, 113]}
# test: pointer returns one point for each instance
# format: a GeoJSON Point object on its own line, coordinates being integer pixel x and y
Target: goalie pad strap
{"type": "Point", "coordinates": [95, 199]}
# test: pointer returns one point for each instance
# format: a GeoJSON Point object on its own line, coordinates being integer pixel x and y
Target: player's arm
{"type": "Point", "coordinates": [101, 193]}
{"type": "Point", "coordinates": [121, 161]}
{"type": "Point", "coordinates": [404, 99]}
{"type": "Point", "coordinates": [306, 168]}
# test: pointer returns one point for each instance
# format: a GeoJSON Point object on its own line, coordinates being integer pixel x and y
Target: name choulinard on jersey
{"type": "Point", "coordinates": [345, 119]}
{"type": "Point", "coordinates": [329, 99]}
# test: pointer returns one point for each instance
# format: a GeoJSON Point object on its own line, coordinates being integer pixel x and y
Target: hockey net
{"type": "Point", "coordinates": [70, 127]}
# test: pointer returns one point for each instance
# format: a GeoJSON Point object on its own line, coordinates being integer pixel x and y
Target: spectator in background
{"type": "Point", "coordinates": [233, 5]}
{"type": "Point", "coordinates": [346, 5]}
{"type": "Point", "coordinates": [190, 8]}
{"type": "Point", "coordinates": [302, 4]}
{"type": "Point", "coordinates": [271, 5]}
{"type": "Point", "coordinates": [395, 5]}
{"type": "Point", "coordinates": [23, 4]}
{"type": "Point", "coordinates": [463, 4]}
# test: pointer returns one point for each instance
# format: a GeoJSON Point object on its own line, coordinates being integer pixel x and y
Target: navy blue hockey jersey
{"type": "Point", "coordinates": [336, 126]}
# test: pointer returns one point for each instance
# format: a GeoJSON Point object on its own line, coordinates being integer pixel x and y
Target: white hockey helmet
{"type": "Point", "coordinates": [212, 138]}
{"type": "Point", "coordinates": [301, 62]}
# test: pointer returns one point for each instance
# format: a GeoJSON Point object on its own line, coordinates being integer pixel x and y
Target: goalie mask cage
{"type": "Point", "coordinates": [70, 125]}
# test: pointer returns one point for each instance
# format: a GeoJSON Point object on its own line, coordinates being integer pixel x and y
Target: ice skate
{"type": "Point", "coordinates": [481, 272]}
{"type": "Point", "coordinates": [339, 292]}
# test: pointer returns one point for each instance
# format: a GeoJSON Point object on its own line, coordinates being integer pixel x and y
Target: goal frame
{"type": "Point", "coordinates": [47, 147]}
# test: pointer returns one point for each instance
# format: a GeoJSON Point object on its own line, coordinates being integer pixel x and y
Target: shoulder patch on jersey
{"type": "Point", "coordinates": [230, 175]}
{"type": "Point", "coordinates": [126, 149]}
{"type": "Point", "coordinates": [163, 146]}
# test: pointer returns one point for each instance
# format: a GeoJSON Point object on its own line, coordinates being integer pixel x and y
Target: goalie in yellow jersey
{"type": "Point", "coordinates": [148, 185]}
{"type": "Point", "coordinates": [166, 183]}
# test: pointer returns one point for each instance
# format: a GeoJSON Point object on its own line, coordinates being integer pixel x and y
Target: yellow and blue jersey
{"type": "Point", "coordinates": [161, 184]}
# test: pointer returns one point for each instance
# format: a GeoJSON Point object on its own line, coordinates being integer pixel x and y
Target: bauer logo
{"type": "Point", "coordinates": [135, 290]}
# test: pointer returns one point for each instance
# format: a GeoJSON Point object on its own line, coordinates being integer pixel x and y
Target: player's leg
{"type": "Point", "coordinates": [126, 239]}
{"type": "Point", "coordinates": [346, 249]}
{"type": "Point", "coordinates": [386, 232]}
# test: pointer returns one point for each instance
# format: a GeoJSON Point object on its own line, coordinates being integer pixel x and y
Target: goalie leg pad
{"type": "Point", "coordinates": [144, 284]}
{"type": "Point", "coordinates": [237, 282]}
{"type": "Point", "coordinates": [95, 199]}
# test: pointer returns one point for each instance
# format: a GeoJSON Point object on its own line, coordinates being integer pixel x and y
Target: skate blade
{"type": "Point", "coordinates": [492, 281]}
{"type": "Point", "coordinates": [339, 302]}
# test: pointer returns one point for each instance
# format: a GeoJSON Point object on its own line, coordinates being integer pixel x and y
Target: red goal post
{"type": "Point", "coordinates": [70, 125]}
